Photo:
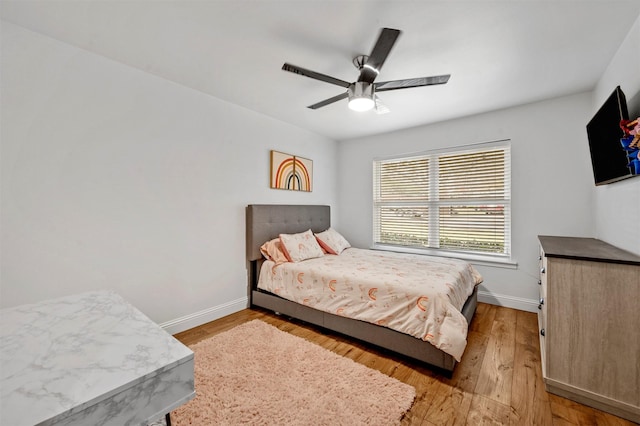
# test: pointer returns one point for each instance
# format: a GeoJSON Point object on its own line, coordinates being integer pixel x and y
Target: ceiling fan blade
{"type": "Point", "coordinates": [316, 75]}
{"type": "Point", "coordinates": [386, 40]}
{"type": "Point", "coordinates": [329, 101]}
{"type": "Point", "coordinates": [411, 82]}
{"type": "Point", "coordinates": [381, 108]}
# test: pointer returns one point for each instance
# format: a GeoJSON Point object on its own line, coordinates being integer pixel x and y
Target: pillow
{"type": "Point", "coordinates": [272, 250]}
{"type": "Point", "coordinates": [332, 241]}
{"type": "Point", "coordinates": [299, 247]}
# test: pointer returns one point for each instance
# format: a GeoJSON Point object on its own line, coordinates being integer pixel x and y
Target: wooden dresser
{"type": "Point", "coordinates": [589, 320]}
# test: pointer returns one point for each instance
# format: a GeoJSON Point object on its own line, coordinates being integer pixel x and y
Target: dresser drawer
{"type": "Point", "coordinates": [542, 264]}
{"type": "Point", "coordinates": [543, 342]}
{"type": "Point", "coordinates": [542, 310]}
{"type": "Point", "coordinates": [542, 287]}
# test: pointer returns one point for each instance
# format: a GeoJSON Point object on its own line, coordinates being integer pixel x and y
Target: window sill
{"type": "Point", "coordinates": [475, 259]}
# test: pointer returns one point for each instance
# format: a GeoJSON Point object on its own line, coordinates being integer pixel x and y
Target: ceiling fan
{"type": "Point", "coordinates": [362, 93]}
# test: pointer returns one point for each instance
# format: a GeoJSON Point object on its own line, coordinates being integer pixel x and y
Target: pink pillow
{"type": "Point", "coordinates": [272, 250]}
{"type": "Point", "coordinates": [332, 241]}
{"type": "Point", "coordinates": [299, 247]}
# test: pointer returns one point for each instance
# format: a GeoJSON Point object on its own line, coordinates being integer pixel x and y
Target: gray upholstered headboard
{"type": "Point", "coordinates": [267, 221]}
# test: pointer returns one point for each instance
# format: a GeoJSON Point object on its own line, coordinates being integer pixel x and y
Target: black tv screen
{"type": "Point", "coordinates": [609, 158]}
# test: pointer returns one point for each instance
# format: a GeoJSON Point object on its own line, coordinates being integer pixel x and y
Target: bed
{"type": "Point", "coordinates": [266, 222]}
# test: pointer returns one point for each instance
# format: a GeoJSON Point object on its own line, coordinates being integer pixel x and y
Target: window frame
{"type": "Point", "coordinates": [434, 203]}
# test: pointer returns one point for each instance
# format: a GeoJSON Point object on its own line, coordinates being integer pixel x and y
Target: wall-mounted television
{"type": "Point", "coordinates": [610, 159]}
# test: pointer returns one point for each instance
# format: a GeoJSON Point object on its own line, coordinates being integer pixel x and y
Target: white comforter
{"type": "Point", "coordinates": [417, 295]}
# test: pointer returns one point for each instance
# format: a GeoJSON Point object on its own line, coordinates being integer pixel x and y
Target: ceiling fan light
{"type": "Point", "coordinates": [361, 104]}
{"type": "Point", "coordinates": [361, 96]}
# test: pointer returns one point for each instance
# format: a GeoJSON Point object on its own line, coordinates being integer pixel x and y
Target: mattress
{"type": "Point", "coordinates": [414, 294]}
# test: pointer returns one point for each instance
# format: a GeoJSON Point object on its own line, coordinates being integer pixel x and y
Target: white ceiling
{"type": "Point", "coordinates": [499, 53]}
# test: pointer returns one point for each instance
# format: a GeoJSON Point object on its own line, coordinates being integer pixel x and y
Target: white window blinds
{"type": "Point", "coordinates": [457, 200]}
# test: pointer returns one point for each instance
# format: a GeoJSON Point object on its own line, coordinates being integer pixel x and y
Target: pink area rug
{"type": "Point", "coordinates": [257, 374]}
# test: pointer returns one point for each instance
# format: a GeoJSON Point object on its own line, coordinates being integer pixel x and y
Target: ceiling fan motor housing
{"type": "Point", "coordinates": [361, 96]}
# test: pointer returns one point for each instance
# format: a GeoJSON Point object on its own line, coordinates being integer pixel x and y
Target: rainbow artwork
{"type": "Point", "coordinates": [291, 172]}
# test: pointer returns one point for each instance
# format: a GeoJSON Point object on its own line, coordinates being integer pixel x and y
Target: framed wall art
{"type": "Point", "coordinates": [291, 172]}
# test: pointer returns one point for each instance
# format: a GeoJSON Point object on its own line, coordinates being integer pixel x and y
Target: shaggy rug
{"type": "Point", "coordinates": [258, 374]}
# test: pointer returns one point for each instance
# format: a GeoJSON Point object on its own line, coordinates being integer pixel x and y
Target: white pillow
{"type": "Point", "coordinates": [332, 241]}
{"type": "Point", "coordinates": [299, 247]}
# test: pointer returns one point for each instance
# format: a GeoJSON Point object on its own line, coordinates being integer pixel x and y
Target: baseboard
{"type": "Point", "coordinates": [520, 303]}
{"type": "Point", "coordinates": [613, 406]}
{"type": "Point", "coordinates": [207, 315]}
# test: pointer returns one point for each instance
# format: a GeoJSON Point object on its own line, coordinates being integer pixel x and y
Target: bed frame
{"type": "Point", "coordinates": [267, 221]}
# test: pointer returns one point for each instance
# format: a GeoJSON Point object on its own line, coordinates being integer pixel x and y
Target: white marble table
{"type": "Point", "coordinates": [89, 359]}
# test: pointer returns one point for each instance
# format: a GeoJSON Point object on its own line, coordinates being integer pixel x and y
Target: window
{"type": "Point", "coordinates": [457, 200]}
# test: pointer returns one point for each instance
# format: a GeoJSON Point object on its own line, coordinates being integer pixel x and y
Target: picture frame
{"type": "Point", "coordinates": [291, 172]}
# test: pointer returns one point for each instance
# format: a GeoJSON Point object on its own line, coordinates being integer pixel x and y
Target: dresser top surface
{"type": "Point", "coordinates": [590, 249]}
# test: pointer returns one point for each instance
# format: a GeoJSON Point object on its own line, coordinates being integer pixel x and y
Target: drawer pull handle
{"type": "Point", "coordinates": [542, 271]}
{"type": "Point", "coordinates": [542, 332]}
{"type": "Point", "coordinates": [539, 282]}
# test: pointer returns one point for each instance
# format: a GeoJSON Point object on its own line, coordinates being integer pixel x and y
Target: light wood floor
{"type": "Point", "coordinates": [498, 381]}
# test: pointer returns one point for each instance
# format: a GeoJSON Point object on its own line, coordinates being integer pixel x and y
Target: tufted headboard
{"type": "Point", "coordinates": [267, 221]}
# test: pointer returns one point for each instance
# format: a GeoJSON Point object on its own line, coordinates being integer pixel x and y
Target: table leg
{"type": "Point", "coordinates": [168, 419]}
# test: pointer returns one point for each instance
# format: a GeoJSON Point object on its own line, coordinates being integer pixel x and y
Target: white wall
{"type": "Point", "coordinates": [114, 178]}
{"type": "Point", "coordinates": [617, 205]}
{"type": "Point", "coordinates": [551, 181]}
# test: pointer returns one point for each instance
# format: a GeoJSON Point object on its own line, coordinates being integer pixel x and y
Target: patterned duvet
{"type": "Point", "coordinates": [418, 295]}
